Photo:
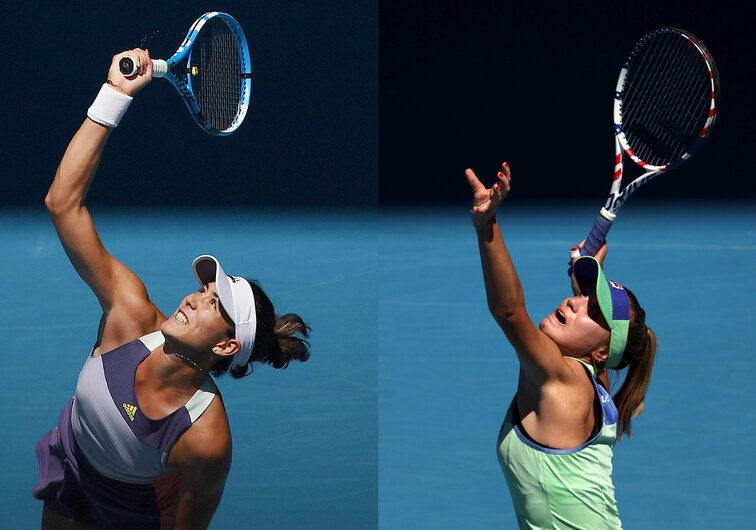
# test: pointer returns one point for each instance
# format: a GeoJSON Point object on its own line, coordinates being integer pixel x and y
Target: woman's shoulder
{"type": "Point", "coordinates": [209, 437]}
{"type": "Point", "coordinates": [573, 389]}
{"type": "Point", "coordinates": [124, 324]}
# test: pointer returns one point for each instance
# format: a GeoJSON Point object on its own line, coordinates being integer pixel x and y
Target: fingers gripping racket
{"type": "Point", "coordinates": [665, 103]}
{"type": "Point", "coordinates": [210, 71]}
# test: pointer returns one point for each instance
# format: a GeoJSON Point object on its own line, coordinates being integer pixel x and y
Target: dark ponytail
{"type": "Point", "coordinates": [639, 360]}
{"type": "Point", "coordinates": [278, 339]}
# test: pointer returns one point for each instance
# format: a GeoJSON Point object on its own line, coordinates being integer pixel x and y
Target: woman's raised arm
{"type": "Point", "coordinates": [539, 356]}
{"type": "Point", "coordinates": [66, 200]}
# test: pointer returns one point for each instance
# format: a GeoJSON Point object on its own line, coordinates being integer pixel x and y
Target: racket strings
{"type": "Point", "coordinates": [674, 125]}
{"type": "Point", "coordinates": [216, 74]}
{"type": "Point", "coordinates": [666, 98]}
{"type": "Point", "coordinates": [689, 113]}
{"type": "Point", "coordinates": [662, 65]}
{"type": "Point", "coordinates": [670, 101]}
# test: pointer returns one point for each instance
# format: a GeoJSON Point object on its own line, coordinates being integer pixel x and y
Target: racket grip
{"type": "Point", "coordinates": [597, 236]}
{"type": "Point", "coordinates": [127, 66]}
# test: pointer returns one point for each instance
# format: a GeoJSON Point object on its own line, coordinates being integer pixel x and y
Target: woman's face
{"type": "Point", "coordinates": [577, 326]}
{"type": "Point", "coordinates": [198, 324]}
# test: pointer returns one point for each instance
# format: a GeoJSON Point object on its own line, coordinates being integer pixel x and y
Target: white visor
{"type": "Point", "coordinates": [238, 300]}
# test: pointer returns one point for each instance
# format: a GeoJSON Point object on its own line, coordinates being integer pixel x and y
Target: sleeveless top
{"type": "Point", "coordinates": [118, 440]}
{"type": "Point", "coordinates": [562, 488]}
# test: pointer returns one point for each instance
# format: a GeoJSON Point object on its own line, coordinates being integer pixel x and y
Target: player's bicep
{"type": "Point", "coordinates": [107, 277]}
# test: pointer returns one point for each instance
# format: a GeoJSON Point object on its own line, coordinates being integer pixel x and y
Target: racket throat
{"type": "Point", "coordinates": [606, 214]}
{"type": "Point", "coordinates": [613, 204]}
{"type": "Point", "coordinates": [159, 68]}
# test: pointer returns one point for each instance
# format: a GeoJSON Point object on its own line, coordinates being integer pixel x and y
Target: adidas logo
{"type": "Point", "coordinates": [130, 410]}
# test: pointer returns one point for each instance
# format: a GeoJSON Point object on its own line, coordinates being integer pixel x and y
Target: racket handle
{"type": "Point", "coordinates": [127, 66]}
{"type": "Point", "coordinates": [597, 236]}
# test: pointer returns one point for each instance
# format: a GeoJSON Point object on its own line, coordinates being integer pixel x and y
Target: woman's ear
{"type": "Point", "coordinates": [227, 347]}
{"type": "Point", "coordinates": [600, 355]}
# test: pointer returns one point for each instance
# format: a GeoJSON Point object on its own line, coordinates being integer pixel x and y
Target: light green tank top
{"type": "Point", "coordinates": [562, 488]}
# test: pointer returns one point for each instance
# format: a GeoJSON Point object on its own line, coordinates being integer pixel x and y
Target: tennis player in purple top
{"type": "Point", "coordinates": [145, 442]}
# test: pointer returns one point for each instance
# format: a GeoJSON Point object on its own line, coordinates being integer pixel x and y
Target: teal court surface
{"type": "Point", "coordinates": [447, 373]}
{"type": "Point", "coordinates": [392, 423]}
{"type": "Point", "coordinates": [305, 438]}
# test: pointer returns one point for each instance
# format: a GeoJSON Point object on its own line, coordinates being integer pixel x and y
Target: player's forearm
{"type": "Point", "coordinates": [503, 288]}
{"type": "Point", "coordinates": [77, 167]}
{"type": "Point", "coordinates": [194, 512]}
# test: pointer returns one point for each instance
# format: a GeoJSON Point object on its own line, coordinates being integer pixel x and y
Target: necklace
{"type": "Point", "coordinates": [190, 362]}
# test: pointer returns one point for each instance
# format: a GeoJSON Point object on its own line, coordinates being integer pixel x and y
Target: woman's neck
{"type": "Point", "coordinates": [174, 370]}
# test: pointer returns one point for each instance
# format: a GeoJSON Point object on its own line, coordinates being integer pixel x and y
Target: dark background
{"type": "Point", "coordinates": [461, 84]}
{"type": "Point", "coordinates": [310, 137]}
{"type": "Point", "coordinates": [475, 83]}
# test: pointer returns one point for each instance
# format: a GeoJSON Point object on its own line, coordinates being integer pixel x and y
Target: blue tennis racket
{"type": "Point", "coordinates": [211, 72]}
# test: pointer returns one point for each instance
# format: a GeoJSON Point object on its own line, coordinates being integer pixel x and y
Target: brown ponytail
{"type": "Point", "coordinates": [290, 332]}
{"type": "Point", "coordinates": [639, 359]}
{"type": "Point", "coordinates": [278, 339]}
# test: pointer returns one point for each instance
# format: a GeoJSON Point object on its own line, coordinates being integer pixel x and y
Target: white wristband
{"type": "Point", "coordinates": [109, 106]}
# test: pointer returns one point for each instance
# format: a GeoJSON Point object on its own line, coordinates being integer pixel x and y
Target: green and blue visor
{"type": "Point", "coordinates": [613, 301]}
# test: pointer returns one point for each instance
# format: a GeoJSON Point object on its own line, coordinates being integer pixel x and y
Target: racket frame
{"type": "Point", "coordinates": [617, 197]}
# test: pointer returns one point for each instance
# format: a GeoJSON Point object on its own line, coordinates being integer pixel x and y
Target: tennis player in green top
{"type": "Point", "coordinates": [556, 444]}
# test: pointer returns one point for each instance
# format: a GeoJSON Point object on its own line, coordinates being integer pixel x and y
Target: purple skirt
{"type": "Point", "coordinates": [71, 487]}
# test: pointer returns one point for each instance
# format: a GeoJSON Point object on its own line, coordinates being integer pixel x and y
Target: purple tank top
{"type": "Point", "coordinates": [107, 419]}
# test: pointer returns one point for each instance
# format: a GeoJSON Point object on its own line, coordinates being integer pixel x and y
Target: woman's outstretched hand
{"type": "Point", "coordinates": [486, 200]}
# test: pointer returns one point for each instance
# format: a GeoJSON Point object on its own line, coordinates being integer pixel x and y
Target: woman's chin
{"type": "Point", "coordinates": [170, 327]}
{"type": "Point", "coordinates": [545, 325]}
